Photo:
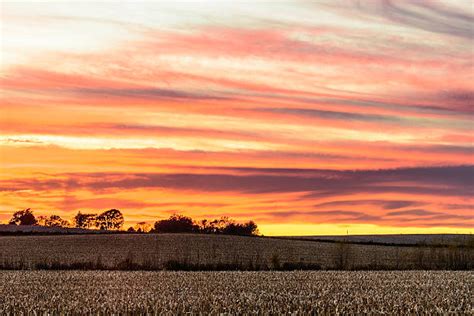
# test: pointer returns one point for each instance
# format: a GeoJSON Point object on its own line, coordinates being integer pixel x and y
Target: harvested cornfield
{"type": "Point", "coordinates": [278, 293]}
{"type": "Point", "coordinates": [214, 252]}
{"type": "Point", "coordinates": [405, 239]}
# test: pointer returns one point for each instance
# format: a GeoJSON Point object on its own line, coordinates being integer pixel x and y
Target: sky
{"type": "Point", "coordinates": [308, 117]}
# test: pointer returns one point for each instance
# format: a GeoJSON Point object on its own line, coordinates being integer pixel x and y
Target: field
{"type": "Point", "coordinates": [34, 229]}
{"type": "Point", "coordinates": [217, 252]}
{"type": "Point", "coordinates": [298, 292]}
{"type": "Point", "coordinates": [406, 239]}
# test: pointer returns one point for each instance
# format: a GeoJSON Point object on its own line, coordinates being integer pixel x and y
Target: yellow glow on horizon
{"type": "Point", "coordinates": [353, 229]}
{"type": "Point", "coordinates": [95, 143]}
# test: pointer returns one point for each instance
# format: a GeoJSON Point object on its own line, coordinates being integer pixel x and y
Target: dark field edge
{"type": "Point", "coordinates": [179, 266]}
{"type": "Point", "coordinates": [171, 265]}
{"type": "Point", "coordinates": [63, 233]}
{"type": "Point", "coordinates": [468, 244]}
{"type": "Point", "coordinates": [454, 259]}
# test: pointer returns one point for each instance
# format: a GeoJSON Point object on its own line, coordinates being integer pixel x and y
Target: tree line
{"type": "Point", "coordinates": [109, 220]}
{"type": "Point", "coordinates": [113, 219]}
{"type": "Point", "coordinates": [183, 224]}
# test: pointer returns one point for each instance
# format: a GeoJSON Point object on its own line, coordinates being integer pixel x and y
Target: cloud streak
{"type": "Point", "coordinates": [452, 180]}
{"type": "Point", "coordinates": [349, 112]}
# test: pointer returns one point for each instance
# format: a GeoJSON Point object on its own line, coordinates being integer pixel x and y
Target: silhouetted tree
{"type": "Point", "coordinates": [84, 220]}
{"type": "Point", "coordinates": [23, 217]}
{"type": "Point", "coordinates": [215, 226]}
{"type": "Point", "coordinates": [176, 224]}
{"type": "Point", "coordinates": [41, 220]}
{"type": "Point", "coordinates": [110, 220]}
{"type": "Point", "coordinates": [223, 225]}
{"type": "Point", "coordinates": [251, 228]}
{"type": "Point", "coordinates": [206, 227]}
{"type": "Point", "coordinates": [131, 230]}
{"type": "Point", "coordinates": [227, 226]}
{"type": "Point", "coordinates": [52, 221]}
{"type": "Point", "coordinates": [247, 229]}
{"type": "Point", "coordinates": [56, 221]}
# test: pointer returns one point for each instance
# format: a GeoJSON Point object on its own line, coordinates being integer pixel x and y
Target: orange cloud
{"type": "Point", "coordinates": [360, 118]}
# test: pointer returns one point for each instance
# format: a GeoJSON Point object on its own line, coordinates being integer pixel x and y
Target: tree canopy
{"type": "Point", "coordinates": [224, 225]}
{"type": "Point", "coordinates": [110, 220]}
{"type": "Point", "coordinates": [52, 221]}
{"type": "Point", "coordinates": [113, 220]}
{"type": "Point", "coordinates": [86, 221]}
{"type": "Point", "coordinates": [176, 224]}
{"type": "Point", "coordinates": [23, 217]}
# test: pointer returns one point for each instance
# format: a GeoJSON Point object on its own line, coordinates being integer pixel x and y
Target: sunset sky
{"type": "Point", "coordinates": [309, 117]}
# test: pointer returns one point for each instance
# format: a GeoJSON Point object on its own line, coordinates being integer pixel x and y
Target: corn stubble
{"type": "Point", "coordinates": [297, 292]}
{"type": "Point", "coordinates": [157, 251]}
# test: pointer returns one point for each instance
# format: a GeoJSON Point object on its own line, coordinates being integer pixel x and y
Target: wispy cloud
{"type": "Point", "coordinates": [330, 111]}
